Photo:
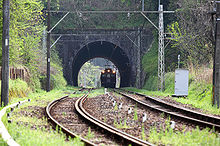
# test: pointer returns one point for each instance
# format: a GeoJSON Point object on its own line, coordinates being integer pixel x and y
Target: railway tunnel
{"type": "Point", "coordinates": [123, 47]}
{"type": "Point", "coordinates": [105, 50]}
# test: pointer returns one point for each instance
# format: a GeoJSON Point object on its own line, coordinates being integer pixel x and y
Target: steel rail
{"type": "Point", "coordinates": [177, 111]}
{"type": "Point", "coordinates": [131, 139]}
{"type": "Point", "coordinates": [65, 130]}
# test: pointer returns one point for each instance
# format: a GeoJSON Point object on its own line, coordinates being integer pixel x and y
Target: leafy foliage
{"type": "Point", "coordinates": [89, 75]}
{"type": "Point", "coordinates": [26, 31]}
{"type": "Point", "coordinates": [149, 63]}
{"type": "Point", "coordinates": [192, 33]}
{"type": "Point", "coordinates": [18, 88]}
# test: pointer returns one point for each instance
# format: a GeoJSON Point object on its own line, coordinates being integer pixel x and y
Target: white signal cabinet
{"type": "Point", "coordinates": [181, 82]}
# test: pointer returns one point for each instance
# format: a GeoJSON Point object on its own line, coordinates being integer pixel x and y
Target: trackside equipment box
{"type": "Point", "coordinates": [181, 82]}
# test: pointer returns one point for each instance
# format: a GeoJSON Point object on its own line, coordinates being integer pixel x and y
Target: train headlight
{"type": "Point", "coordinates": [113, 72]}
{"type": "Point", "coordinates": [103, 71]}
{"type": "Point", "coordinates": [108, 70]}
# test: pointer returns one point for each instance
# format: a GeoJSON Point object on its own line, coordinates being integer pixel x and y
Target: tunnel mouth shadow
{"type": "Point", "coordinates": [107, 50]}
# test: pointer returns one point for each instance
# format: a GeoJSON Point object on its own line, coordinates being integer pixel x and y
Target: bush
{"type": "Point", "coordinates": [151, 83]}
{"type": "Point", "coordinates": [149, 63]}
{"type": "Point", "coordinates": [35, 83]}
{"type": "Point", "coordinates": [56, 81]}
{"type": "Point", "coordinates": [18, 88]}
{"type": "Point", "coordinates": [169, 82]}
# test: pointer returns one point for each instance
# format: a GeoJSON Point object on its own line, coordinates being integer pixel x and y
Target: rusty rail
{"type": "Point", "coordinates": [177, 111]}
{"type": "Point", "coordinates": [129, 138]}
{"type": "Point", "coordinates": [65, 130]}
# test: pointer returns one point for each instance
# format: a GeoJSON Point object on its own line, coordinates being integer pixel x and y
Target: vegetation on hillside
{"type": "Point", "coordinates": [26, 32]}
{"type": "Point", "coordinates": [89, 76]}
{"type": "Point", "coordinates": [193, 32]}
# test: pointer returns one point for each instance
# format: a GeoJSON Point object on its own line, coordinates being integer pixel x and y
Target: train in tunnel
{"type": "Point", "coordinates": [108, 78]}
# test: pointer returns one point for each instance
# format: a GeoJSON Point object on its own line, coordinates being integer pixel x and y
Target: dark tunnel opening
{"type": "Point", "coordinates": [106, 50]}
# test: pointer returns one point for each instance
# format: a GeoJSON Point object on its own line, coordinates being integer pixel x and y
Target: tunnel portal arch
{"type": "Point", "coordinates": [107, 50]}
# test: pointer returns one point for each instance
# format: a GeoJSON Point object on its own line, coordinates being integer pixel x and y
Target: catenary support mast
{"type": "Point", "coordinates": [161, 64]}
{"type": "Point", "coordinates": [216, 74]}
{"type": "Point", "coordinates": [5, 53]}
{"type": "Point", "coordinates": [48, 47]}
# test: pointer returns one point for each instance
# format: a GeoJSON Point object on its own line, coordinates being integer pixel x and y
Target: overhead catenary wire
{"type": "Point", "coordinates": [107, 12]}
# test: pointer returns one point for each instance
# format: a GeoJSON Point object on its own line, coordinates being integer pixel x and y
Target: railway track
{"type": "Point", "coordinates": [185, 114]}
{"type": "Point", "coordinates": [129, 139]}
{"type": "Point", "coordinates": [55, 112]}
{"type": "Point", "coordinates": [56, 123]}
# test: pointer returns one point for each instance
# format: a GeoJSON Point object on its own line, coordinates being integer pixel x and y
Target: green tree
{"type": "Point", "coordinates": [192, 32]}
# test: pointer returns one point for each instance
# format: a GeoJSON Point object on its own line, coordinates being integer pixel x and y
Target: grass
{"type": "Point", "coordinates": [97, 92]}
{"type": "Point", "coordinates": [18, 88]}
{"type": "Point", "coordinates": [195, 137]}
{"type": "Point", "coordinates": [191, 138]}
{"type": "Point", "coordinates": [90, 134]}
{"type": "Point", "coordinates": [116, 107]}
{"type": "Point", "coordinates": [120, 125]}
{"type": "Point", "coordinates": [143, 136]}
{"type": "Point", "coordinates": [147, 92]}
{"type": "Point", "coordinates": [31, 130]}
{"type": "Point", "coordinates": [135, 113]}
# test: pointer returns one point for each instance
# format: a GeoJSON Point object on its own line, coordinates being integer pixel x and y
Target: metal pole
{"type": "Point", "coordinates": [161, 66]}
{"type": "Point", "coordinates": [216, 68]}
{"type": "Point", "coordinates": [5, 53]}
{"type": "Point", "coordinates": [178, 61]}
{"type": "Point", "coordinates": [142, 5]}
{"type": "Point", "coordinates": [58, 22]}
{"type": "Point", "coordinates": [138, 77]}
{"type": "Point", "coordinates": [48, 47]}
{"type": "Point", "coordinates": [158, 4]}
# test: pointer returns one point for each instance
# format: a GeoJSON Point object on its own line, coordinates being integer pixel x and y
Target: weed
{"type": "Point", "coordinates": [162, 115]}
{"type": "Point", "coordinates": [194, 137]}
{"type": "Point", "coordinates": [143, 136]}
{"type": "Point", "coordinates": [64, 113]}
{"type": "Point", "coordinates": [120, 125]}
{"type": "Point", "coordinates": [104, 119]}
{"type": "Point", "coordinates": [125, 123]}
{"type": "Point", "coordinates": [135, 113]}
{"type": "Point", "coordinates": [115, 123]}
{"type": "Point", "coordinates": [90, 134]}
{"type": "Point", "coordinates": [116, 107]}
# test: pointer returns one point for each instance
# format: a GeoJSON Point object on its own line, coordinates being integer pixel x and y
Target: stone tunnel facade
{"type": "Point", "coordinates": [124, 48]}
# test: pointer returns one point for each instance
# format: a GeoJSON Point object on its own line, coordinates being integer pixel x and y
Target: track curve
{"type": "Point", "coordinates": [174, 110]}
{"type": "Point", "coordinates": [65, 130]}
{"type": "Point", "coordinates": [130, 139]}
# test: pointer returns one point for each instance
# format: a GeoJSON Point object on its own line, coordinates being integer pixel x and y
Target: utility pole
{"type": "Point", "coordinates": [216, 68]}
{"type": "Point", "coordinates": [5, 54]}
{"type": "Point", "coordinates": [48, 46]}
{"type": "Point", "coordinates": [161, 64]}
